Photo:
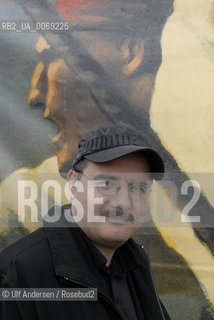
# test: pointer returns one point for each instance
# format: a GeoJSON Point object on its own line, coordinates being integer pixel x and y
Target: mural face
{"type": "Point", "coordinates": [117, 52]}
{"type": "Point", "coordinates": [114, 66]}
{"type": "Point", "coordinates": [68, 103]}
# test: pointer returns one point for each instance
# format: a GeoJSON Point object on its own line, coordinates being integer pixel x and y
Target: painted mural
{"type": "Point", "coordinates": [69, 66]}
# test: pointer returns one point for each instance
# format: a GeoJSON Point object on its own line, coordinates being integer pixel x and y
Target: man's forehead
{"type": "Point", "coordinates": [121, 171]}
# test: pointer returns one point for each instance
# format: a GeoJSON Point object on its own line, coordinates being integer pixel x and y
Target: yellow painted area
{"type": "Point", "coordinates": [183, 102]}
{"type": "Point", "coordinates": [56, 76]}
{"type": "Point", "coordinates": [198, 258]}
{"type": "Point", "coordinates": [182, 110]}
{"type": "Point", "coordinates": [34, 90]}
{"type": "Point", "coordinates": [48, 170]}
{"type": "Point", "coordinates": [42, 44]}
{"type": "Point", "coordinates": [180, 236]}
{"type": "Point", "coordinates": [182, 113]}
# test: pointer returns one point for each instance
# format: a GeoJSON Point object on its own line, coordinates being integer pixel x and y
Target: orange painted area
{"type": "Point", "coordinates": [136, 61]}
{"type": "Point", "coordinates": [75, 10]}
{"type": "Point", "coordinates": [34, 91]}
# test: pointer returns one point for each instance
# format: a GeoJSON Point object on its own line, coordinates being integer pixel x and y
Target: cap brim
{"type": "Point", "coordinates": [154, 159]}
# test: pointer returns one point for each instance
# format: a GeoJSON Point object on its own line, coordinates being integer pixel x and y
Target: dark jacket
{"type": "Point", "coordinates": [59, 258]}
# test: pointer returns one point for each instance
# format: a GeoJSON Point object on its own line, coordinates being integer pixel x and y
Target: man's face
{"type": "Point", "coordinates": [127, 171]}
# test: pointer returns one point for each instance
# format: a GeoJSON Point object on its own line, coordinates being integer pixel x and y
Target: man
{"type": "Point", "coordinates": [116, 163]}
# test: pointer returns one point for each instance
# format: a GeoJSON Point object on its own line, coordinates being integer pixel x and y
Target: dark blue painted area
{"type": "Point", "coordinates": [25, 135]}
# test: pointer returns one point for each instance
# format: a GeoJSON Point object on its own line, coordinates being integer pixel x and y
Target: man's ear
{"type": "Point", "coordinates": [72, 177]}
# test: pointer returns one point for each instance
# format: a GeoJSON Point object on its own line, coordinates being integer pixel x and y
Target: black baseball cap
{"type": "Point", "coordinates": [109, 143]}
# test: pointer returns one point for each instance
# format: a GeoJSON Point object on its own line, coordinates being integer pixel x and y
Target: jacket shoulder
{"type": "Point", "coordinates": [24, 250]}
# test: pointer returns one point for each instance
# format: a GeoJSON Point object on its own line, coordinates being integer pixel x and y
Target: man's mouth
{"type": "Point", "coordinates": [117, 214]}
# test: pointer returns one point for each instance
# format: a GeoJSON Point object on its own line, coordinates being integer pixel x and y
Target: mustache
{"type": "Point", "coordinates": [117, 213]}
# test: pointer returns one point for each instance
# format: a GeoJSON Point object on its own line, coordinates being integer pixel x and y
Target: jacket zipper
{"type": "Point", "coordinates": [100, 294]}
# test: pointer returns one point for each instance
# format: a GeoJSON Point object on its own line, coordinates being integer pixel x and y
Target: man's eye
{"type": "Point", "coordinates": [107, 183]}
{"type": "Point", "coordinates": [103, 183]}
{"type": "Point", "coordinates": [112, 184]}
{"type": "Point", "coordinates": [138, 188]}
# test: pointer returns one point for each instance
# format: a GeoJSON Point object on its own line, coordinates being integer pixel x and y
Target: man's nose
{"type": "Point", "coordinates": [121, 198]}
